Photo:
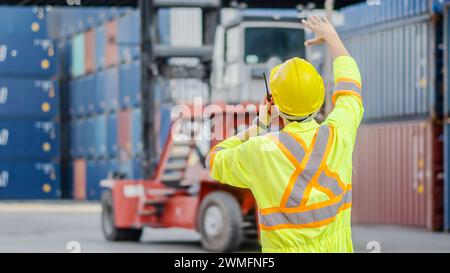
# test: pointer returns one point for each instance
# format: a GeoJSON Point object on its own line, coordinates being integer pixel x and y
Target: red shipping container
{"type": "Point", "coordinates": [398, 174]}
{"type": "Point", "coordinates": [89, 54]}
{"type": "Point", "coordinates": [111, 47]}
{"type": "Point", "coordinates": [79, 179]}
{"type": "Point", "coordinates": [124, 131]}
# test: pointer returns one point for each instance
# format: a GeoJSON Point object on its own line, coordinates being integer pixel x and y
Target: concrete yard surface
{"type": "Point", "coordinates": [66, 226]}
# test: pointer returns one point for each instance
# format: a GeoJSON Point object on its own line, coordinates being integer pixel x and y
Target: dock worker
{"type": "Point", "coordinates": [300, 177]}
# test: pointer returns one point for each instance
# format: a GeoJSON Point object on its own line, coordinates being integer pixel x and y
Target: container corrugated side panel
{"type": "Point", "coordinates": [447, 178]}
{"type": "Point", "coordinates": [90, 94]}
{"type": "Point", "coordinates": [130, 84]}
{"type": "Point", "coordinates": [112, 134]}
{"type": "Point", "coordinates": [95, 170]}
{"type": "Point", "coordinates": [79, 179]}
{"type": "Point", "coordinates": [29, 180]}
{"type": "Point", "coordinates": [111, 48]}
{"type": "Point", "coordinates": [111, 88]}
{"type": "Point", "coordinates": [186, 27]}
{"type": "Point", "coordinates": [396, 83]}
{"type": "Point", "coordinates": [100, 44]}
{"type": "Point", "coordinates": [22, 56]}
{"type": "Point", "coordinates": [38, 139]}
{"type": "Point", "coordinates": [42, 98]}
{"type": "Point", "coordinates": [164, 26]}
{"type": "Point", "coordinates": [78, 55]}
{"type": "Point", "coordinates": [89, 54]}
{"type": "Point", "coordinates": [100, 92]}
{"type": "Point", "coordinates": [89, 136]}
{"type": "Point", "coordinates": [129, 36]}
{"type": "Point", "coordinates": [124, 131]}
{"type": "Point", "coordinates": [101, 135]}
{"type": "Point", "coordinates": [136, 132]}
{"type": "Point", "coordinates": [396, 175]}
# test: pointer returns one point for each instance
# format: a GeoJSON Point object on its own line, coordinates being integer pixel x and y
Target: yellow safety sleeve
{"type": "Point", "coordinates": [227, 162]}
{"type": "Point", "coordinates": [348, 108]}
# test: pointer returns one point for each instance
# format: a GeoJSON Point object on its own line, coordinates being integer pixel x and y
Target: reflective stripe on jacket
{"type": "Point", "coordinates": [301, 177]}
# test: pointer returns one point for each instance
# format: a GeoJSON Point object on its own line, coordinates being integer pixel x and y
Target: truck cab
{"type": "Point", "coordinates": [246, 47]}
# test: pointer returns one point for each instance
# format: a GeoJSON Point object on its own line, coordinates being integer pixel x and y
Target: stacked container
{"type": "Point", "coordinates": [105, 124]}
{"type": "Point", "coordinates": [398, 162]}
{"type": "Point", "coordinates": [29, 106]}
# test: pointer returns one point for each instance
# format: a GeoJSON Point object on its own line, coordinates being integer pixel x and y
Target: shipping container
{"type": "Point", "coordinates": [400, 78]}
{"type": "Point", "coordinates": [132, 168]}
{"type": "Point", "coordinates": [90, 94]}
{"type": "Point", "coordinates": [27, 97]}
{"type": "Point", "coordinates": [29, 180]}
{"type": "Point", "coordinates": [100, 95]}
{"type": "Point", "coordinates": [130, 84]}
{"type": "Point", "coordinates": [137, 145]}
{"type": "Point", "coordinates": [79, 179]}
{"type": "Point", "coordinates": [129, 36]}
{"type": "Point", "coordinates": [366, 14]}
{"type": "Point", "coordinates": [111, 85]}
{"type": "Point", "coordinates": [78, 55]}
{"type": "Point", "coordinates": [100, 44]}
{"type": "Point", "coordinates": [112, 146]}
{"type": "Point", "coordinates": [124, 131]}
{"type": "Point", "coordinates": [111, 47]}
{"type": "Point", "coordinates": [24, 56]}
{"type": "Point", "coordinates": [101, 136]}
{"type": "Point", "coordinates": [24, 21]}
{"type": "Point", "coordinates": [39, 139]}
{"type": "Point", "coordinates": [398, 174]}
{"type": "Point", "coordinates": [89, 51]}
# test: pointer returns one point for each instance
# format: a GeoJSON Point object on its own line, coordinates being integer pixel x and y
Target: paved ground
{"type": "Point", "coordinates": [51, 227]}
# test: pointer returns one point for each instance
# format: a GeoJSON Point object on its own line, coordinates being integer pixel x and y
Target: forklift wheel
{"type": "Point", "coordinates": [220, 222]}
{"type": "Point", "coordinates": [110, 231]}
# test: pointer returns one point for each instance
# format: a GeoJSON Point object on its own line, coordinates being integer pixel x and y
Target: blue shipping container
{"type": "Point", "coordinates": [78, 52]}
{"type": "Point", "coordinates": [111, 86]}
{"type": "Point", "coordinates": [129, 36]}
{"type": "Point", "coordinates": [137, 146]}
{"type": "Point", "coordinates": [22, 56]}
{"type": "Point", "coordinates": [29, 180]}
{"type": "Point", "coordinates": [26, 21]}
{"type": "Point", "coordinates": [112, 147]}
{"type": "Point", "coordinates": [29, 139]}
{"type": "Point", "coordinates": [101, 136]}
{"type": "Point", "coordinates": [100, 92]}
{"type": "Point", "coordinates": [22, 97]}
{"type": "Point", "coordinates": [100, 44]}
{"type": "Point", "coordinates": [130, 84]}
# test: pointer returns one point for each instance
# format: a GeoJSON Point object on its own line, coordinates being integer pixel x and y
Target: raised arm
{"type": "Point", "coordinates": [348, 111]}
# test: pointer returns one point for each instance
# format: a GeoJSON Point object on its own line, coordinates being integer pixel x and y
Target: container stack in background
{"type": "Point", "coordinates": [103, 122]}
{"type": "Point", "coordinates": [29, 106]}
{"type": "Point", "coordinates": [398, 162]}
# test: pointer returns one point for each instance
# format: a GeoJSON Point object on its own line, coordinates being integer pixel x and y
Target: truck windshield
{"type": "Point", "coordinates": [263, 43]}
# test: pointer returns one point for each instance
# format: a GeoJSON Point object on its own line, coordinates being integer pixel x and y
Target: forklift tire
{"type": "Point", "coordinates": [220, 222]}
{"type": "Point", "coordinates": [110, 231]}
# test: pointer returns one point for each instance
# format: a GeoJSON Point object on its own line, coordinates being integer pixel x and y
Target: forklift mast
{"type": "Point", "coordinates": [155, 62]}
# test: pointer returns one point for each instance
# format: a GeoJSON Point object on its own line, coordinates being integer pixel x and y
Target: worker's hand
{"type": "Point", "coordinates": [322, 29]}
{"type": "Point", "coordinates": [266, 114]}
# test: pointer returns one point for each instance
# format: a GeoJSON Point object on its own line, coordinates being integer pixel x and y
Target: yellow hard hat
{"type": "Point", "coordinates": [297, 88]}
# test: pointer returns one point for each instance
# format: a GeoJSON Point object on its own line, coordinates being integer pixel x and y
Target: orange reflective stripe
{"type": "Point", "coordinates": [299, 170]}
{"type": "Point", "coordinates": [320, 169]}
{"type": "Point", "coordinates": [343, 79]}
{"type": "Point", "coordinates": [336, 94]}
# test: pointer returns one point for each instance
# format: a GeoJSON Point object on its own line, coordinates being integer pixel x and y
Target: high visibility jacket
{"type": "Point", "coordinates": [301, 177]}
